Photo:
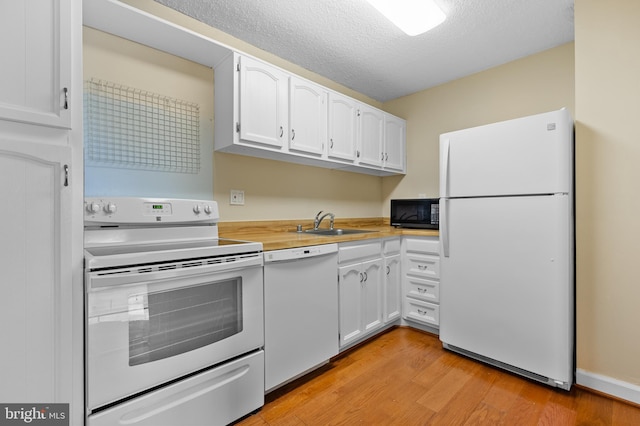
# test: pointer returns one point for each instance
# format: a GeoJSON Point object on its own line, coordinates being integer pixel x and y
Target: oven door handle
{"type": "Point", "coordinates": [138, 275]}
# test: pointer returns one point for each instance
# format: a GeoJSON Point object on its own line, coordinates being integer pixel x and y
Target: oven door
{"type": "Point", "coordinates": [150, 325]}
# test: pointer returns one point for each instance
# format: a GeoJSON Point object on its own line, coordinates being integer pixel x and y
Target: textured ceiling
{"type": "Point", "coordinates": [349, 42]}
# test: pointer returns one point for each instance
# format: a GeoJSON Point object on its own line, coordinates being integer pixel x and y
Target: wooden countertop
{"type": "Point", "coordinates": [277, 235]}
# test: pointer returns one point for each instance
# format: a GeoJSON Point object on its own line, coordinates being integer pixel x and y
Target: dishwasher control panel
{"type": "Point", "coordinates": [299, 252]}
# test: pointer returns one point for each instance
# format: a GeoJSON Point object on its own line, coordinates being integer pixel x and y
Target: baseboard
{"type": "Point", "coordinates": [608, 385]}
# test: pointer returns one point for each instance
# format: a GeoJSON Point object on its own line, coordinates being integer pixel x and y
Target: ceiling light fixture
{"type": "Point", "coordinates": [411, 16]}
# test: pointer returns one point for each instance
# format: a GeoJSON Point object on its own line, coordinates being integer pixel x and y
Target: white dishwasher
{"type": "Point", "coordinates": [301, 311]}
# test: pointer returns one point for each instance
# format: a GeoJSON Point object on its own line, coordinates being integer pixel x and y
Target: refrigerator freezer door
{"type": "Point", "coordinates": [530, 155]}
{"type": "Point", "coordinates": [507, 284]}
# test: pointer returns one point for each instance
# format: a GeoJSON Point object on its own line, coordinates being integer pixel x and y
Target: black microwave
{"type": "Point", "coordinates": [416, 213]}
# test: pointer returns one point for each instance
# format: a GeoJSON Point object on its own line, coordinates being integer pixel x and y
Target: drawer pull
{"type": "Point", "coordinates": [423, 267]}
{"type": "Point", "coordinates": [421, 312]}
{"type": "Point", "coordinates": [422, 290]}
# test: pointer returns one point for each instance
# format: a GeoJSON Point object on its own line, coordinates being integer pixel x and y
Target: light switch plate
{"type": "Point", "coordinates": [237, 198]}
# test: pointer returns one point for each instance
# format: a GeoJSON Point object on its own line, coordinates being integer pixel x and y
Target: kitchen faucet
{"type": "Point", "coordinates": [318, 220]}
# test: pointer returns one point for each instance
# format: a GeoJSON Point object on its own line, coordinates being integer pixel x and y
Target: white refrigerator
{"type": "Point", "coordinates": [507, 245]}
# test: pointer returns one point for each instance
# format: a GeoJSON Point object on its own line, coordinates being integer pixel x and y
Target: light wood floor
{"type": "Point", "coordinates": [404, 377]}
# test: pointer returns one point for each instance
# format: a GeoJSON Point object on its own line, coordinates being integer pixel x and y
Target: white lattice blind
{"type": "Point", "coordinates": [130, 128]}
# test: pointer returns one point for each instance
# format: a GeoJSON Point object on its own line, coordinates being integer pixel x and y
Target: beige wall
{"type": "Point", "coordinates": [275, 190]}
{"type": "Point", "coordinates": [608, 177]}
{"type": "Point", "coordinates": [535, 84]}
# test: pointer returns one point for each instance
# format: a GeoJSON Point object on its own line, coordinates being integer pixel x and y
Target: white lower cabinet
{"type": "Point", "coordinates": [392, 279]}
{"type": "Point", "coordinates": [360, 290]}
{"type": "Point", "coordinates": [36, 296]}
{"type": "Point", "coordinates": [421, 280]}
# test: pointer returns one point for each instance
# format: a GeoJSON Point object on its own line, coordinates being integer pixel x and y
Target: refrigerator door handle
{"type": "Point", "coordinates": [444, 226]}
{"type": "Point", "coordinates": [444, 168]}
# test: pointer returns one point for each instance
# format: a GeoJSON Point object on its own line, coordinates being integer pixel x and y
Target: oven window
{"type": "Point", "coordinates": [168, 323]}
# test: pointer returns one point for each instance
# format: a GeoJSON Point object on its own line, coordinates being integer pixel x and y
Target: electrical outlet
{"type": "Point", "coordinates": [237, 198]}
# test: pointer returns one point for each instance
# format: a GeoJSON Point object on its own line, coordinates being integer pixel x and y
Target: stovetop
{"type": "Point", "coordinates": [135, 231]}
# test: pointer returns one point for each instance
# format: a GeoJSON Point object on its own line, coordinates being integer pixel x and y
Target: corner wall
{"type": "Point", "coordinates": [608, 205]}
{"type": "Point", "coordinates": [534, 84]}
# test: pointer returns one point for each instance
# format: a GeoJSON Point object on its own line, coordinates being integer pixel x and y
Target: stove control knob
{"type": "Point", "coordinates": [207, 209]}
{"type": "Point", "coordinates": [110, 208]}
{"type": "Point", "coordinates": [196, 209]}
{"type": "Point", "coordinates": [93, 207]}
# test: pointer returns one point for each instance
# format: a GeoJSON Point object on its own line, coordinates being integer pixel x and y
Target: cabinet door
{"type": "Point", "coordinates": [372, 294]}
{"type": "Point", "coordinates": [308, 116]}
{"type": "Point", "coordinates": [350, 285]}
{"type": "Point", "coordinates": [342, 127]}
{"type": "Point", "coordinates": [35, 44]}
{"type": "Point", "coordinates": [394, 145]}
{"type": "Point", "coordinates": [263, 103]}
{"type": "Point", "coordinates": [392, 301]}
{"type": "Point", "coordinates": [371, 136]}
{"type": "Point", "coordinates": [35, 259]}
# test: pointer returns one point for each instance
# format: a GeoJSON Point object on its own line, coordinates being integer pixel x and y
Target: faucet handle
{"type": "Point", "coordinates": [316, 221]}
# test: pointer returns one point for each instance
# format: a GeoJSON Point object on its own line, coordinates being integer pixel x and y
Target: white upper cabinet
{"type": "Point", "coordinates": [263, 103]}
{"type": "Point", "coordinates": [307, 116]}
{"type": "Point", "coordinates": [264, 111]}
{"type": "Point", "coordinates": [371, 136]}
{"type": "Point", "coordinates": [395, 143]}
{"type": "Point", "coordinates": [35, 44]}
{"type": "Point", "coordinates": [343, 119]}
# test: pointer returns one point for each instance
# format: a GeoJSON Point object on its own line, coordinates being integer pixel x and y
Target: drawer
{"type": "Point", "coordinates": [423, 289]}
{"type": "Point", "coordinates": [391, 246]}
{"type": "Point", "coordinates": [350, 253]}
{"type": "Point", "coordinates": [423, 266]}
{"type": "Point", "coordinates": [197, 400]}
{"type": "Point", "coordinates": [424, 312]}
{"type": "Point", "coordinates": [422, 245]}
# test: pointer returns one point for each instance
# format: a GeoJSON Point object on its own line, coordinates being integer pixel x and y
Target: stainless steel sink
{"type": "Point", "coordinates": [336, 231]}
